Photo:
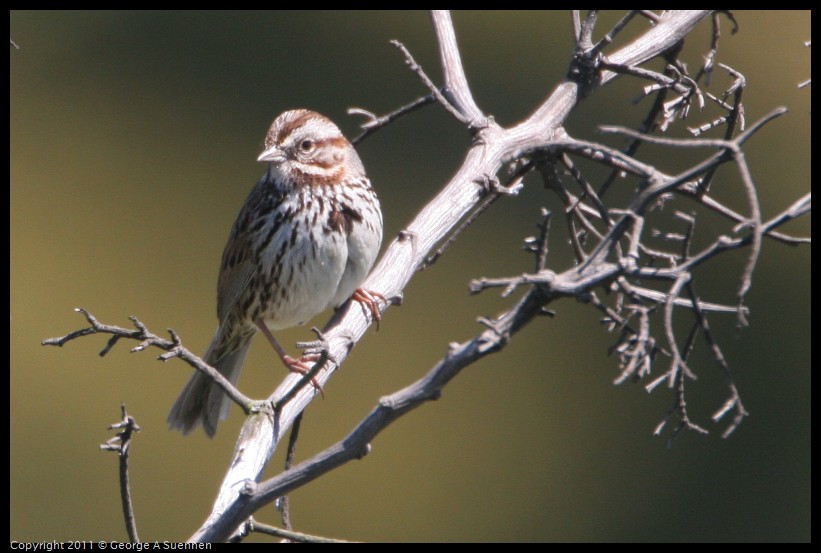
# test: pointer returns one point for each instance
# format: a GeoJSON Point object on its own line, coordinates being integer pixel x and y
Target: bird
{"type": "Point", "coordinates": [304, 240]}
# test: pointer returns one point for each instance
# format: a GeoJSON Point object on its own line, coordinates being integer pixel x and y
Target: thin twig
{"type": "Point", "coordinates": [290, 452]}
{"type": "Point", "coordinates": [416, 68]}
{"type": "Point", "coordinates": [291, 536]}
{"type": "Point", "coordinates": [173, 347]}
{"type": "Point", "coordinates": [121, 444]}
{"type": "Point", "coordinates": [375, 122]}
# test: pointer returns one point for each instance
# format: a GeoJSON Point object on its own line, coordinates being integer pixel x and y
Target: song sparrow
{"type": "Point", "coordinates": [304, 240]}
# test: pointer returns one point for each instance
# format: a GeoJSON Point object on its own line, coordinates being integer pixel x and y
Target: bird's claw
{"type": "Point", "coordinates": [369, 300]}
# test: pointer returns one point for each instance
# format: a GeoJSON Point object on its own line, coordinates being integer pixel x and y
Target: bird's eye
{"type": "Point", "coordinates": [307, 146]}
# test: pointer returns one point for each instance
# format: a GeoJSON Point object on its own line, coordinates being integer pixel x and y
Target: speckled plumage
{"type": "Point", "coordinates": [304, 240]}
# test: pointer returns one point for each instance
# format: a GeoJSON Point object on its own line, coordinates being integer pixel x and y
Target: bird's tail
{"type": "Point", "coordinates": [202, 402]}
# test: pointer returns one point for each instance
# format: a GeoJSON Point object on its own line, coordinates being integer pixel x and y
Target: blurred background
{"type": "Point", "coordinates": [133, 140]}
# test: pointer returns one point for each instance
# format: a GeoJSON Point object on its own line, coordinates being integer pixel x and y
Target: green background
{"type": "Point", "coordinates": [133, 144]}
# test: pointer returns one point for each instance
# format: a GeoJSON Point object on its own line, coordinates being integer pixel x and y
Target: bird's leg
{"type": "Point", "coordinates": [300, 365]}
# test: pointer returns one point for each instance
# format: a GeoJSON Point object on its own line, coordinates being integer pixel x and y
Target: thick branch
{"type": "Point", "coordinates": [494, 147]}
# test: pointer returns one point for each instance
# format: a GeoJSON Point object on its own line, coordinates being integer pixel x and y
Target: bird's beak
{"type": "Point", "coordinates": [272, 155]}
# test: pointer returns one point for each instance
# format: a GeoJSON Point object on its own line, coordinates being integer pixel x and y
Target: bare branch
{"type": "Point", "coordinates": [121, 444]}
{"type": "Point", "coordinates": [148, 339]}
{"type": "Point", "coordinates": [435, 92]}
{"type": "Point", "coordinates": [291, 536]}
{"type": "Point", "coordinates": [456, 83]}
{"type": "Point", "coordinates": [374, 122]}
